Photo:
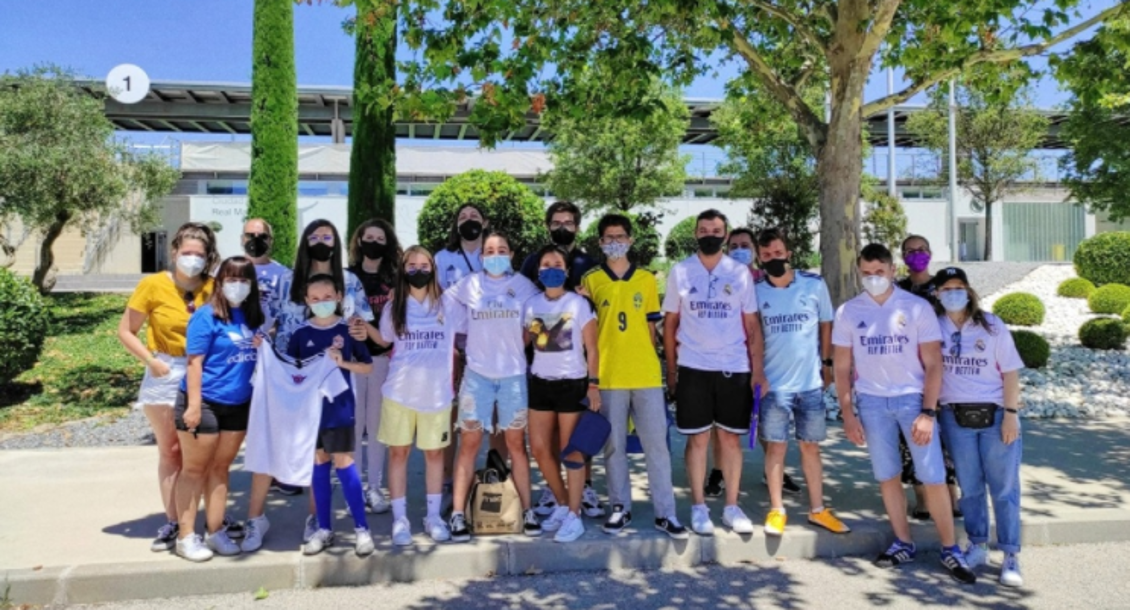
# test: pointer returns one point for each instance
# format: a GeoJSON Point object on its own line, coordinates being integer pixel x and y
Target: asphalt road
{"type": "Point", "coordinates": [1060, 578]}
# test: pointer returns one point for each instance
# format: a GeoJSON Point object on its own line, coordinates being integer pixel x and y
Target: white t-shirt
{"type": "Point", "coordinates": [420, 368]}
{"type": "Point", "coordinates": [286, 410]}
{"type": "Point", "coordinates": [974, 360]}
{"type": "Point", "coordinates": [557, 326]}
{"type": "Point", "coordinates": [454, 266]}
{"type": "Point", "coordinates": [884, 341]}
{"type": "Point", "coordinates": [495, 333]}
{"type": "Point", "coordinates": [710, 305]}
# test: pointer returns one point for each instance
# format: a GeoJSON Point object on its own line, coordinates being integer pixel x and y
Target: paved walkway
{"type": "Point", "coordinates": [75, 524]}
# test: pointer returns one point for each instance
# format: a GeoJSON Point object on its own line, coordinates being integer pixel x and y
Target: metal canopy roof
{"type": "Point", "coordinates": [225, 108]}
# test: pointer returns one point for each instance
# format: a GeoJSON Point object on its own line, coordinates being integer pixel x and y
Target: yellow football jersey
{"type": "Point", "coordinates": [624, 306]}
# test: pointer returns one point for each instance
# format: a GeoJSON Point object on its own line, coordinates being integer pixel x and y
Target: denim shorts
{"type": "Point", "coordinates": [882, 418]}
{"type": "Point", "coordinates": [478, 396]}
{"type": "Point", "coordinates": [805, 408]}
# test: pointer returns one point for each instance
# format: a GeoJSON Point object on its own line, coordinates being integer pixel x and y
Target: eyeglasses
{"type": "Point", "coordinates": [619, 239]}
{"type": "Point", "coordinates": [325, 238]}
{"type": "Point", "coordinates": [568, 224]}
{"type": "Point", "coordinates": [955, 345]}
{"type": "Point", "coordinates": [190, 302]}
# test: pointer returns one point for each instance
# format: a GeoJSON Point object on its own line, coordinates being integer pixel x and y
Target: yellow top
{"type": "Point", "coordinates": [167, 310]}
{"type": "Point", "coordinates": [624, 307]}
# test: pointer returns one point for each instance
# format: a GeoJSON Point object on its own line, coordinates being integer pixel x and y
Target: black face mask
{"type": "Point", "coordinates": [710, 245]}
{"type": "Point", "coordinates": [471, 230]}
{"type": "Point", "coordinates": [257, 246]}
{"type": "Point", "coordinates": [563, 237]}
{"type": "Point", "coordinates": [373, 250]}
{"type": "Point", "coordinates": [321, 252]}
{"type": "Point", "coordinates": [420, 279]}
{"type": "Point", "coordinates": [775, 267]}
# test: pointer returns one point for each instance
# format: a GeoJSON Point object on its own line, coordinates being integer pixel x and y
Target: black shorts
{"type": "Point", "coordinates": [558, 395]}
{"type": "Point", "coordinates": [214, 417]}
{"type": "Point", "coordinates": [704, 399]}
{"type": "Point", "coordinates": [336, 440]}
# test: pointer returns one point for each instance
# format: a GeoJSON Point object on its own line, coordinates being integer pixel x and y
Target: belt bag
{"type": "Point", "coordinates": [974, 415]}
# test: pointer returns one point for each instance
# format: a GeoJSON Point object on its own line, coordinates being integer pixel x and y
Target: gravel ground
{"type": "Point", "coordinates": [132, 429]}
{"type": "Point", "coordinates": [987, 278]}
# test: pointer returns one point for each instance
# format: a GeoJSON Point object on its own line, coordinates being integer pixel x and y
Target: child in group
{"type": "Point", "coordinates": [326, 331]}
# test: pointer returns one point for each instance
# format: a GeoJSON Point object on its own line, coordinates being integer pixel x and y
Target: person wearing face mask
{"type": "Point", "coordinates": [916, 255]}
{"type": "Point", "coordinates": [493, 390]}
{"type": "Point", "coordinates": [213, 404]}
{"type": "Point", "coordinates": [980, 419]}
{"type": "Point", "coordinates": [374, 253]}
{"type": "Point", "coordinates": [892, 341]}
{"type": "Point", "coordinates": [715, 359]}
{"type": "Point", "coordinates": [631, 383]}
{"type": "Point", "coordinates": [163, 303]}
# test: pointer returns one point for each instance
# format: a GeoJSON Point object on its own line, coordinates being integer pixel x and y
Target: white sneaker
{"type": "Point", "coordinates": [1010, 571]}
{"type": "Point", "coordinates": [193, 548]}
{"type": "Point", "coordinates": [700, 521]}
{"type": "Point", "coordinates": [590, 503]}
{"type": "Point", "coordinates": [222, 544]}
{"type": "Point", "coordinates": [310, 529]}
{"type": "Point", "coordinates": [364, 545]}
{"type": "Point", "coordinates": [320, 541]}
{"type": "Point", "coordinates": [976, 555]}
{"type": "Point", "coordinates": [256, 528]}
{"type": "Point", "coordinates": [553, 523]}
{"type": "Point", "coordinates": [437, 529]}
{"type": "Point", "coordinates": [547, 503]}
{"type": "Point", "coordinates": [401, 532]}
{"type": "Point", "coordinates": [376, 502]}
{"type": "Point", "coordinates": [735, 519]}
{"type": "Point", "coordinates": [571, 528]}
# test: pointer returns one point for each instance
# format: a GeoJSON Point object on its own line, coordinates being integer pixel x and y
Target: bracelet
{"type": "Point", "coordinates": [929, 412]}
{"type": "Point", "coordinates": [1013, 411]}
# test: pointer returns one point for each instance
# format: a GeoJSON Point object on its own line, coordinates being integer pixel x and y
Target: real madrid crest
{"type": "Point", "coordinates": [727, 289]}
{"type": "Point", "coordinates": [901, 320]}
{"type": "Point", "coordinates": [979, 345]}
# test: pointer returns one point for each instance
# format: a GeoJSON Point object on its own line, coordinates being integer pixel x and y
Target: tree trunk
{"type": "Point", "coordinates": [372, 162]}
{"type": "Point", "coordinates": [988, 231]}
{"type": "Point", "coordinates": [45, 273]}
{"type": "Point", "coordinates": [839, 170]}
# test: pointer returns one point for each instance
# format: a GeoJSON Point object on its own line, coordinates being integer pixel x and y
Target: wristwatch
{"type": "Point", "coordinates": [929, 412]}
{"type": "Point", "coordinates": [827, 362]}
{"type": "Point", "coordinates": [1013, 411]}
{"type": "Point", "coordinates": [594, 382]}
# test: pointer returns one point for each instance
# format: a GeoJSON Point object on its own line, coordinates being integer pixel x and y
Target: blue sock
{"type": "Point", "coordinates": [354, 495]}
{"type": "Point", "coordinates": [323, 494]}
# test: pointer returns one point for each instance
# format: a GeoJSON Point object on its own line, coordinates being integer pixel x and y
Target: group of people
{"type": "Point", "coordinates": [404, 348]}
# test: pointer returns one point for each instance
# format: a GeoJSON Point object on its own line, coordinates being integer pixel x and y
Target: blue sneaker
{"type": "Point", "coordinates": [897, 554]}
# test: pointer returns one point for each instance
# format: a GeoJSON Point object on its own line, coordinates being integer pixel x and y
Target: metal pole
{"type": "Point", "coordinates": [952, 212]}
{"type": "Point", "coordinates": [892, 189]}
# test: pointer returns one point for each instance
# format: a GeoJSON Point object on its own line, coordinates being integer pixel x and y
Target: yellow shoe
{"type": "Point", "coordinates": [828, 521]}
{"type": "Point", "coordinates": [775, 523]}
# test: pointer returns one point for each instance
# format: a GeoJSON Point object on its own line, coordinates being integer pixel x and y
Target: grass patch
{"type": "Point", "coordinates": [83, 371]}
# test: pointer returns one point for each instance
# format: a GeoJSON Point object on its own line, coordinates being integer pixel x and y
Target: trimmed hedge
{"type": "Point", "coordinates": [1020, 309]}
{"type": "Point", "coordinates": [1111, 298]}
{"type": "Point", "coordinates": [1104, 258]}
{"type": "Point", "coordinates": [1103, 333]}
{"type": "Point", "coordinates": [23, 325]}
{"type": "Point", "coordinates": [680, 242]}
{"type": "Point", "coordinates": [1034, 349]}
{"type": "Point", "coordinates": [1075, 288]}
{"type": "Point", "coordinates": [646, 246]}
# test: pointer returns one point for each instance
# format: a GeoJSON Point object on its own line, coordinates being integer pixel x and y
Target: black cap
{"type": "Point", "coordinates": [950, 273]}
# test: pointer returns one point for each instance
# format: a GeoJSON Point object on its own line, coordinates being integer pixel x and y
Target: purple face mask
{"type": "Point", "coordinates": [917, 261]}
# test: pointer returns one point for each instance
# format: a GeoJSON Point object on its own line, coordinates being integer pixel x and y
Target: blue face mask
{"type": "Point", "coordinates": [742, 255]}
{"type": "Point", "coordinates": [324, 309]}
{"type": "Point", "coordinates": [954, 300]}
{"type": "Point", "coordinates": [552, 277]}
{"type": "Point", "coordinates": [498, 264]}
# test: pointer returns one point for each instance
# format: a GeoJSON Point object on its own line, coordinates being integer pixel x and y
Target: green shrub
{"type": "Point", "coordinates": [1020, 309]}
{"type": "Point", "coordinates": [1034, 349]}
{"type": "Point", "coordinates": [1126, 316]}
{"type": "Point", "coordinates": [680, 242]}
{"type": "Point", "coordinates": [1111, 298]}
{"type": "Point", "coordinates": [1103, 333]}
{"type": "Point", "coordinates": [646, 246]}
{"type": "Point", "coordinates": [1075, 288]}
{"type": "Point", "coordinates": [23, 325]}
{"type": "Point", "coordinates": [509, 205]}
{"type": "Point", "coordinates": [1104, 258]}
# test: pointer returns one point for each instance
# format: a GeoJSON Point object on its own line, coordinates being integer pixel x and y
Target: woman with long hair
{"type": "Point", "coordinates": [214, 402]}
{"type": "Point", "coordinates": [164, 302]}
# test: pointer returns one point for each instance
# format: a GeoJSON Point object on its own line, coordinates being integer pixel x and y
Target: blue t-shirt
{"type": "Point", "coordinates": [269, 276]}
{"type": "Point", "coordinates": [229, 356]}
{"type": "Point", "coordinates": [790, 321]}
{"type": "Point", "coordinates": [310, 340]}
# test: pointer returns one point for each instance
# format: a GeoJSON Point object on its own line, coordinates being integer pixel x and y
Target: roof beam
{"type": "Point", "coordinates": [462, 131]}
{"type": "Point", "coordinates": [438, 130]}
{"type": "Point", "coordinates": [140, 124]}
{"type": "Point", "coordinates": [226, 127]}
{"type": "Point", "coordinates": [411, 131]}
{"type": "Point", "coordinates": [306, 127]}
{"type": "Point", "coordinates": [169, 125]}
{"type": "Point", "coordinates": [199, 127]}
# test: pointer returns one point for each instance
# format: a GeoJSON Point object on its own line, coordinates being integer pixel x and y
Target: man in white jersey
{"type": "Point", "coordinates": [893, 340]}
{"type": "Point", "coordinates": [796, 319]}
{"type": "Point", "coordinates": [714, 350]}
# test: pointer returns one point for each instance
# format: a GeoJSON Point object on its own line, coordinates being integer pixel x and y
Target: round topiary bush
{"type": "Point", "coordinates": [1104, 258]}
{"type": "Point", "coordinates": [680, 242]}
{"type": "Point", "coordinates": [1034, 349]}
{"type": "Point", "coordinates": [1103, 333]}
{"type": "Point", "coordinates": [1075, 288]}
{"type": "Point", "coordinates": [1111, 298]}
{"type": "Point", "coordinates": [1020, 309]}
{"type": "Point", "coordinates": [23, 325]}
{"type": "Point", "coordinates": [509, 205]}
{"type": "Point", "coordinates": [646, 237]}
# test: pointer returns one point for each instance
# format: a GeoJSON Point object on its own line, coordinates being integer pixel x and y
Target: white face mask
{"type": "Point", "coordinates": [876, 285]}
{"type": "Point", "coordinates": [236, 292]}
{"type": "Point", "coordinates": [190, 264]}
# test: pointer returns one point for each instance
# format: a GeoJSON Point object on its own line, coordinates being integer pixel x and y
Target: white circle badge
{"type": "Point", "coordinates": [127, 83]}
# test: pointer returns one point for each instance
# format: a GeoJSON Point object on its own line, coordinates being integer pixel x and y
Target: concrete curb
{"type": "Point", "coordinates": [515, 556]}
